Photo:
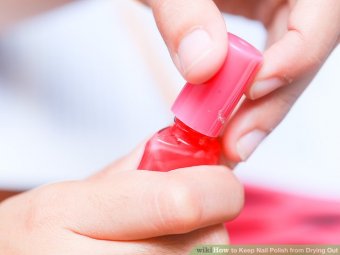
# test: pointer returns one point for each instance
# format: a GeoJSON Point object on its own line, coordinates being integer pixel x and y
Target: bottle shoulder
{"type": "Point", "coordinates": [173, 137]}
{"type": "Point", "coordinates": [172, 148]}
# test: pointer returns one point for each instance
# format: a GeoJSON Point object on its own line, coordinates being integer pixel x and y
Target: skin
{"type": "Point", "coordinates": [117, 211]}
{"type": "Point", "coordinates": [301, 35]}
{"type": "Point", "coordinates": [14, 11]}
{"type": "Point", "coordinates": [99, 216]}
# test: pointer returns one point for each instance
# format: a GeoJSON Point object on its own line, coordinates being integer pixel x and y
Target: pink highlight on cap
{"type": "Point", "coordinates": [205, 107]}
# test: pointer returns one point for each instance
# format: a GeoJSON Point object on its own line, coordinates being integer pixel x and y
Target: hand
{"type": "Point", "coordinates": [123, 211]}
{"type": "Point", "coordinates": [12, 12]}
{"type": "Point", "coordinates": [301, 35]}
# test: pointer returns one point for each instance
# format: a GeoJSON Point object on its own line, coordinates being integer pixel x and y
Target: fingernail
{"type": "Point", "coordinates": [248, 143]}
{"type": "Point", "coordinates": [261, 88]}
{"type": "Point", "coordinates": [193, 49]}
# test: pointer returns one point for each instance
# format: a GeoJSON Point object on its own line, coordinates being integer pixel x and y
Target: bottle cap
{"type": "Point", "coordinates": [205, 107]}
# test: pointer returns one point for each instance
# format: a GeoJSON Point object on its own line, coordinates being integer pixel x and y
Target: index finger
{"type": "Point", "coordinates": [312, 33]}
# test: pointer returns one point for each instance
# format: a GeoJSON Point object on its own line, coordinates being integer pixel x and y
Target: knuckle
{"type": "Point", "coordinates": [172, 20]}
{"type": "Point", "coordinates": [312, 62]}
{"type": "Point", "coordinates": [44, 207]}
{"type": "Point", "coordinates": [170, 7]}
{"type": "Point", "coordinates": [285, 101]}
{"type": "Point", "coordinates": [180, 208]}
{"type": "Point", "coordinates": [312, 54]}
{"type": "Point", "coordinates": [162, 7]}
{"type": "Point", "coordinates": [37, 213]}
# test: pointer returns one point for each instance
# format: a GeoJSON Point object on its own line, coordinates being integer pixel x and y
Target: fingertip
{"type": "Point", "coordinates": [200, 55]}
{"type": "Point", "coordinates": [248, 142]}
{"type": "Point", "coordinates": [229, 141]}
{"type": "Point", "coordinates": [244, 132]}
{"type": "Point", "coordinates": [233, 158]}
{"type": "Point", "coordinates": [263, 87]}
{"type": "Point", "coordinates": [195, 34]}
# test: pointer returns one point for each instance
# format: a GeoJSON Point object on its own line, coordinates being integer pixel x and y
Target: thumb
{"type": "Point", "coordinates": [195, 34]}
{"type": "Point", "coordinates": [131, 205]}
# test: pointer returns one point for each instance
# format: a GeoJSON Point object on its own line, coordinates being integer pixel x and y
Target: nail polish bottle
{"type": "Point", "coordinates": [201, 112]}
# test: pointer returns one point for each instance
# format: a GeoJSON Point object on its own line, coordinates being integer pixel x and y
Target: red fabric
{"type": "Point", "coordinates": [271, 217]}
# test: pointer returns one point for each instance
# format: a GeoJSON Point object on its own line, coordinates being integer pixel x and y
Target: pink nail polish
{"type": "Point", "coordinates": [200, 113]}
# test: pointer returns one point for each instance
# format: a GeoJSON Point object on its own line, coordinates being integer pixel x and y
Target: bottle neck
{"type": "Point", "coordinates": [188, 134]}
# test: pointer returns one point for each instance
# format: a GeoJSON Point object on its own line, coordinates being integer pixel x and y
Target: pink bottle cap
{"type": "Point", "coordinates": [206, 107]}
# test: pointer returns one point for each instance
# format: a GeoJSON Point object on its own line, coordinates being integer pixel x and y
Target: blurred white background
{"type": "Point", "coordinates": [84, 84]}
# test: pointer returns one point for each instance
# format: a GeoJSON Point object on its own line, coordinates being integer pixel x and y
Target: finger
{"type": "Point", "coordinates": [195, 34]}
{"type": "Point", "coordinates": [256, 119]}
{"type": "Point", "coordinates": [263, 10]}
{"type": "Point", "coordinates": [12, 12]}
{"type": "Point", "coordinates": [313, 32]}
{"type": "Point", "coordinates": [172, 244]}
{"type": "Point", "coordinates": [142, 204]}
{"type": "Point", "coordinates": [184, 243]}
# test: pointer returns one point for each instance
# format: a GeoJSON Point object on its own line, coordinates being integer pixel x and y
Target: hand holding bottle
{"type": "Point", "coordinates": [301, 35]}
{"type": "Point", "coordinates": [123, 211]}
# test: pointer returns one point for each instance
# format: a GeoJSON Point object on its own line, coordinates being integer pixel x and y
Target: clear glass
{"type": "Point", "coordinates": [179, 146]}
